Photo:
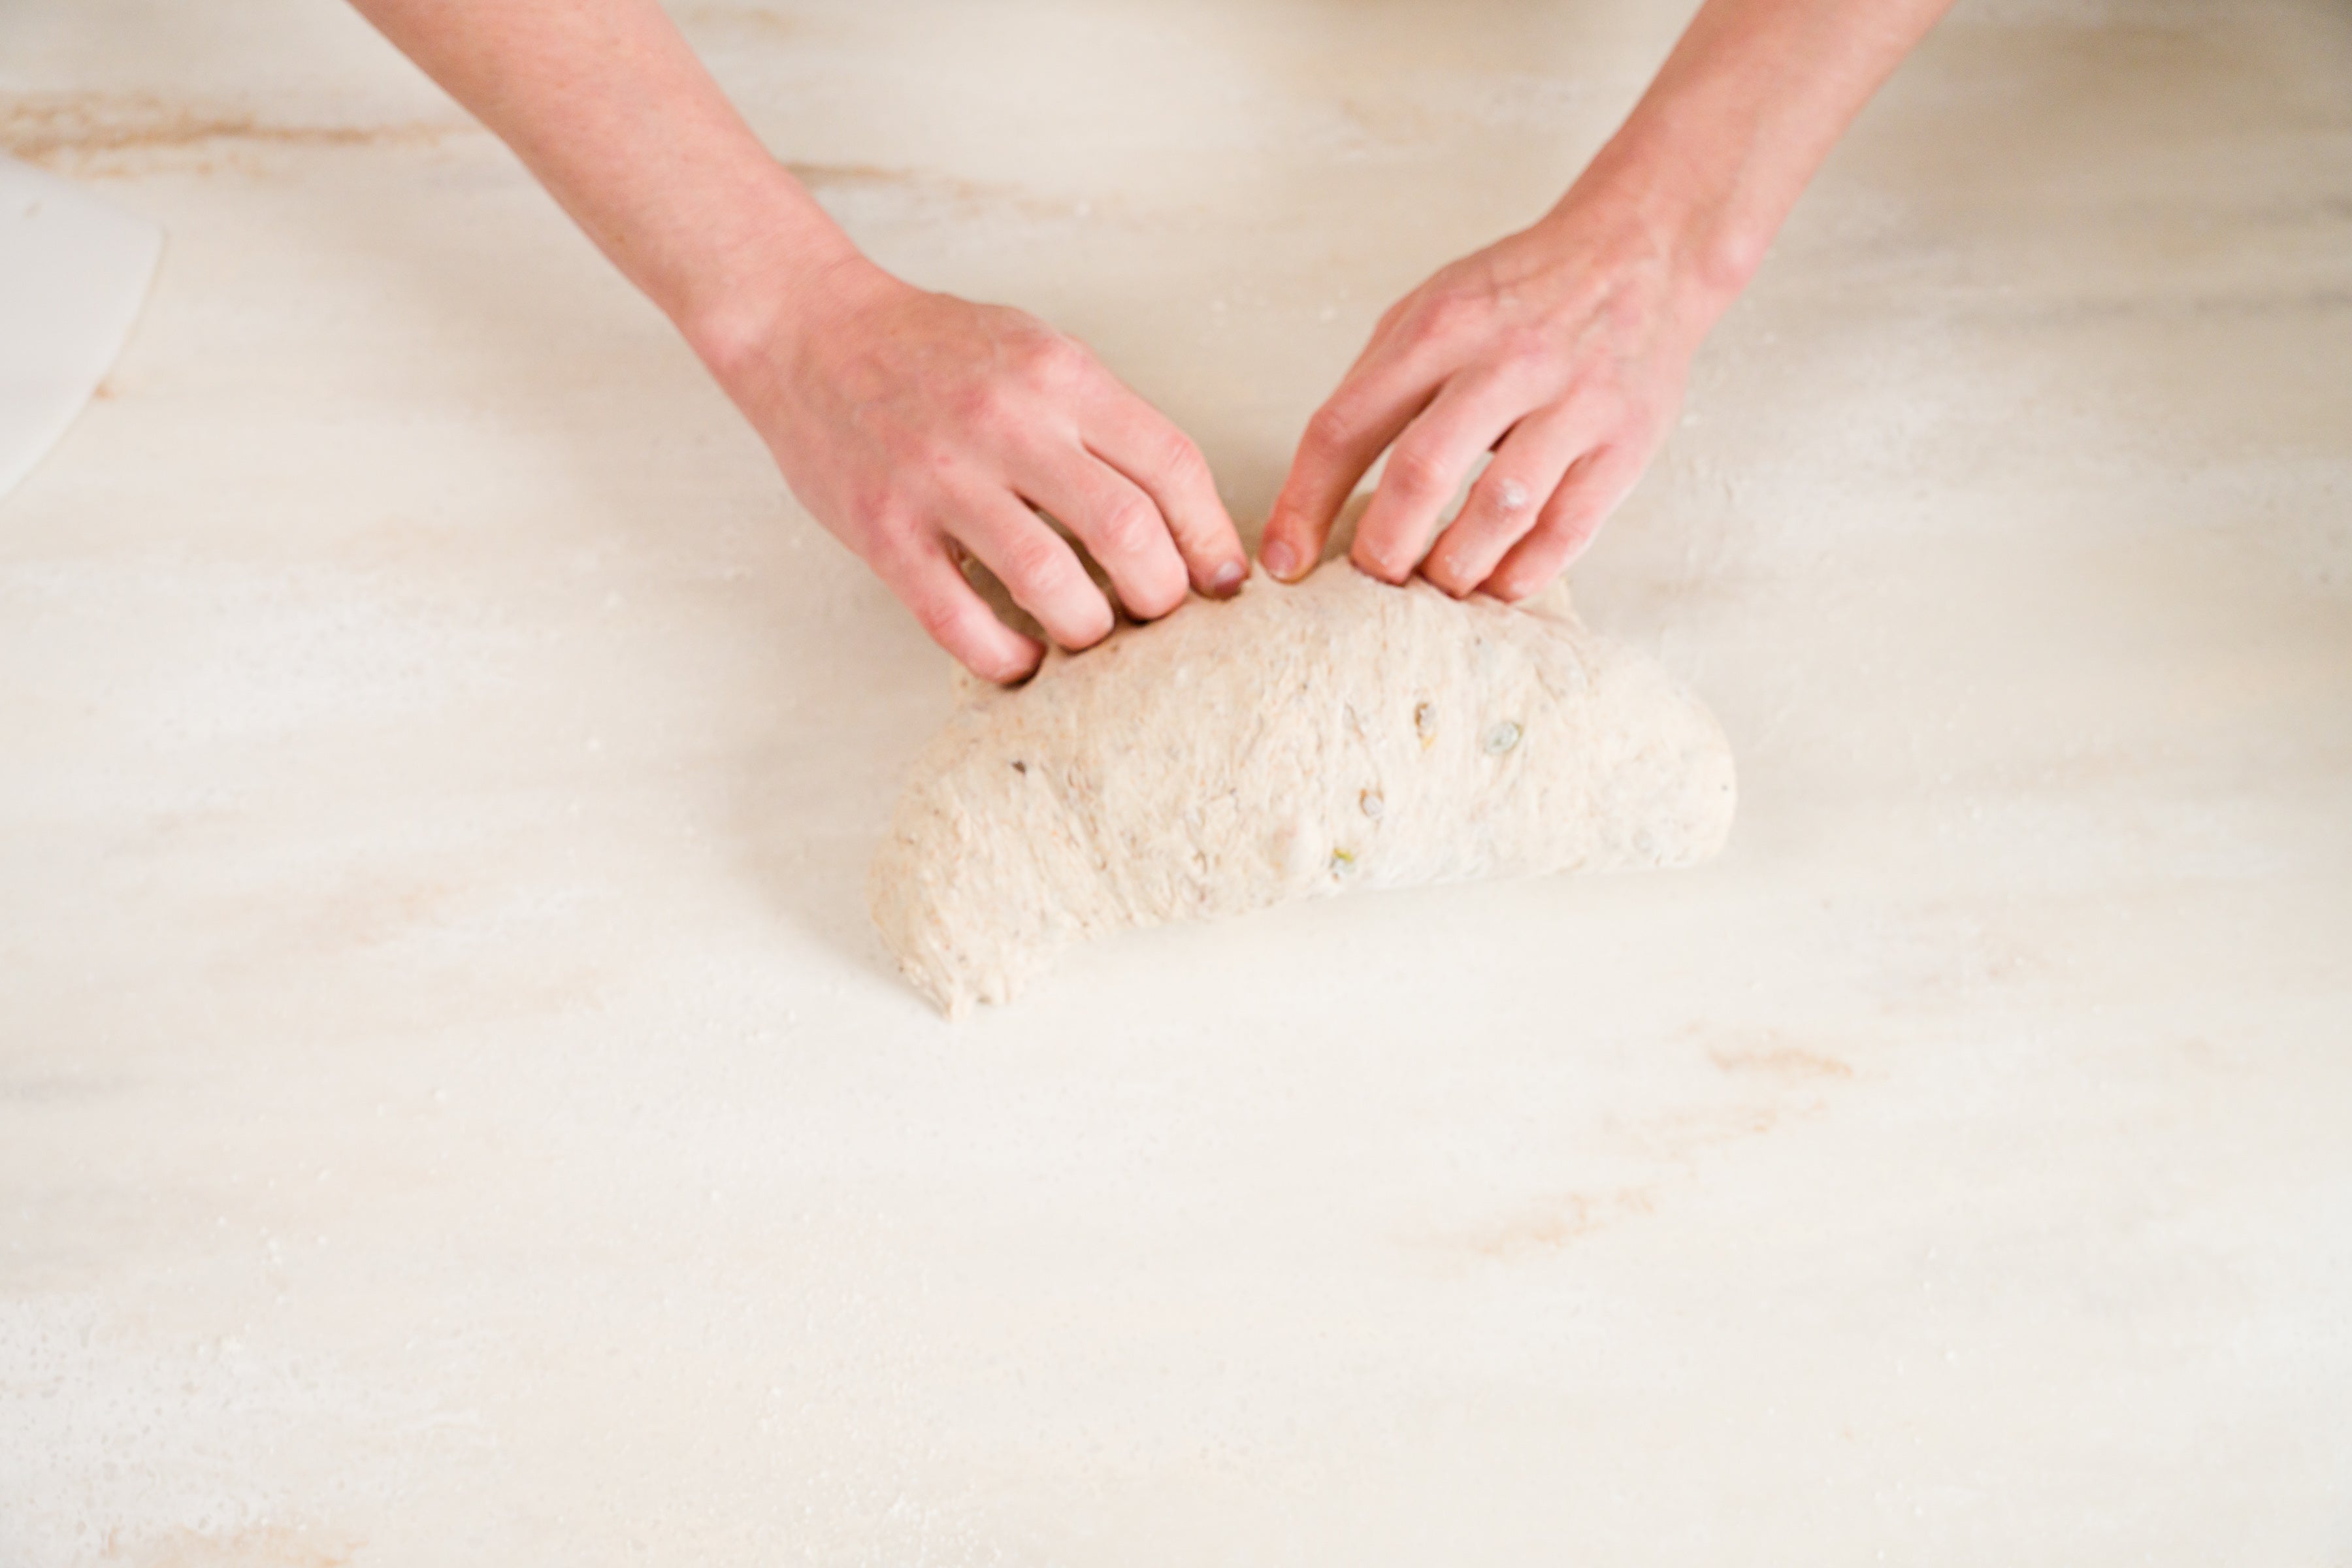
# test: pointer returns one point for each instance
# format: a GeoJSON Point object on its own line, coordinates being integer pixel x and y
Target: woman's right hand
{"type": "Point", "coordinates": [912, 424]}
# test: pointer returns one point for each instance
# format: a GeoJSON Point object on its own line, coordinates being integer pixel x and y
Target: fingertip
{"type": "Point", "coordinates": [1439, 569]}
{"type": "Point", "coordinates": [1023, 665]}
{"type": "Point", "coordinates": [1013, 655]}
{"type": "Point", "coordinates": [1446, 580]}
{"type": "Point", "coordinates": [1154, 589]}
{"type": "Point", "coordinates": [1531, 567]}
{"type": "Point", "coordinates": [1509, 590]}
{"type": "Point", "coordinates": [1008, 662]}
{"type": "Point", "coordinates": [1280, 558]}
{"type": "Point", "coordinates": [1101, 628]}
{"type": "Point", "coordinates": [1218, 568]}
{"type": "Point", "coordinates": [1368, 558]}
{"type": "Point", "coordinates": [1155, 607]}
{"type": "Point", "coordinates": [956, 618]}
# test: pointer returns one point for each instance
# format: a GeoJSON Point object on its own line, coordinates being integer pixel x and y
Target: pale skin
{"type": "Point", "coordinates": [918, 428]}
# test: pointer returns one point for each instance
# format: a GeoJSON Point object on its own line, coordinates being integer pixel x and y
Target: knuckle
{"type": "Point", "coordinates": [1332, 430]}
{"type": "Point", "coordinates": [1502, 498]}
{"type": "Point", "coordinates": [1565, 537]}
{"type": "Point", "coordinates": [1582, 501]}
{"type": "Point", "coordinates": [873, 511]}
{"type": "Point", "coordinates": [1625, 315]}
{"type": "Point", "coordinates": [989, 406]}
{"type": "Point", "coordinates": [940, 613]}
{"type": "Point", "coordinates": [1448, 310]}
{"type": "Point", "coordinates": [1578, 501]}
{"type": "Point", "coordinates": [1054, 363]}
{"type": "Point", "coordinates": [1417, 475]}
{"type": "Point", "coordinates": [1038, 561]}
{"type": "Point", "coordinates": [1180, 460]}
{"type": "Point", "coordinates": [1127, 529]}
{"type": "Point", "coordinates": [1577, 529]}
{"type": "Point", "coordinates": [1004, 407]}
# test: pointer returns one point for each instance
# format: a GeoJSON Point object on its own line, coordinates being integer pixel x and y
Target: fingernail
{"type": "Point", "coordinates": [1279, 558]}
{"type": "Point", "coordinates": [1227, 577]}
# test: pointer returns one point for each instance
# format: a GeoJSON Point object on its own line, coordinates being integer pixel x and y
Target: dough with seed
{"type": "Point", "coordinates": [1290, 742]}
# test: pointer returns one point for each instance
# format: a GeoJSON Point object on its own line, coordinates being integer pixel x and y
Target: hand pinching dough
{"type": "Point", "coordinates": [1287, 743]}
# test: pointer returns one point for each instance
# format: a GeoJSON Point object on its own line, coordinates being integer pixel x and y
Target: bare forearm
{"type": "Point", "coordinates": [1745, 108]}
{"type": "Point", "coordinates": [613, 112]}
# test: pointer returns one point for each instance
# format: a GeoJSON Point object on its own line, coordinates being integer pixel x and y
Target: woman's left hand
{"type": "Point", "coordinates": [1563, 350]}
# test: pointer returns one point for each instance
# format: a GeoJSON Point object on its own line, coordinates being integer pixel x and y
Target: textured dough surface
{"type": "Point", "coordinates": [1290, 742]}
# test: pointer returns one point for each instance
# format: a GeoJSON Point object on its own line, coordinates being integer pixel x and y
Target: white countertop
{"type": "Point", "coordinates": [452, 1109]}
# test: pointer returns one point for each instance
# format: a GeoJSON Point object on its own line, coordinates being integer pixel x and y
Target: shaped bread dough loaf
{"type": "Point", "coordinates": [1290, 742]}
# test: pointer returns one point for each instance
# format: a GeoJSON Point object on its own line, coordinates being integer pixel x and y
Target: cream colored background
{"type": "Point", "coordinates": [453, 1109]}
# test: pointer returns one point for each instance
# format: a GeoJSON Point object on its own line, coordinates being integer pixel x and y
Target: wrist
{"type": "Point", "coordinates": [1681, 210]}
{"type": "Point", "coordinates": [1687, 182]}
{"type": "Point", "coordinates": [757, 292]}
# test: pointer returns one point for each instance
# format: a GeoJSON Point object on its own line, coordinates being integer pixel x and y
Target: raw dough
{"type": "Point", "coordinates": [1287, 743]}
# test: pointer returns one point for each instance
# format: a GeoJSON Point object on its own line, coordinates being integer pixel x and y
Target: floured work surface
{"type": "Point", "coordinates": [1292, 743]}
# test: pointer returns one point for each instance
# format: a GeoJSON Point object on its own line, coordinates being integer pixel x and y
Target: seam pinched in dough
{"type": "Point", "coordinates": [1290, 742]}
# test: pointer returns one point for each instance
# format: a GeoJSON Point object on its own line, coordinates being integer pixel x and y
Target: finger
{"type": "Point", "coordinates": [1119, 525]}
{"type": "Point", "coordinates": [956, 617]}
{"type": "Point", "coordinates": [1375, 400]}
{"type": "Point", "coordinates": [1138, 441]}
{"type": "Point", "coordinates": [1037, 565]}
{"type": "Point", "coordinates": [1508, 499]}
{"type": "Point", "coordinates": [1595, 485]}
{"type": "Point", "coordinates": [1427, 466]}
